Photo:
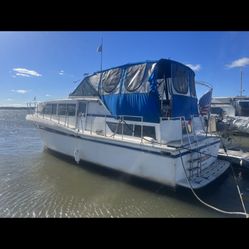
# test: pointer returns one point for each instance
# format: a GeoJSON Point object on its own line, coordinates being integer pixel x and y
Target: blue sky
{"type": "Point", "coordinates": [50, 65]}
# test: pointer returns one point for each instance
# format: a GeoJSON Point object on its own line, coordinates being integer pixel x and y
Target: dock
{"type": "Point", "coordinates": [237, 157]}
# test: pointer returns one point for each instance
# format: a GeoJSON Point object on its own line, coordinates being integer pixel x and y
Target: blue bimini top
{"type": "Point", "coordinates": [139, 89]}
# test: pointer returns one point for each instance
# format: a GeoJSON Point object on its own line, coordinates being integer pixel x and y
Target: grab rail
{"type": "Point", "coordinates": [124, 123]}
{"type": "Point", "coordinates": [122, 120]}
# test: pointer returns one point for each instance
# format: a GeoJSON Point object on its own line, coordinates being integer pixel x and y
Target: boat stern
{"type": "Point", "coordinates": [208, 175]}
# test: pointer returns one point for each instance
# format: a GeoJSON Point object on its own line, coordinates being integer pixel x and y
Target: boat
{"type": "Point", "coordinates": [229, 117]}
{"type": "Point", "coordinates": [232, 121]}
{"type": "Point", "coordinates": [230, 106]}
{"type": "Point", "coordinates": [139, 118]}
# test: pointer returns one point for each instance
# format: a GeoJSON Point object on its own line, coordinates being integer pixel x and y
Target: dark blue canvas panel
{"type": "Point", "coordinates": [146, 105]}
{"type": "Point", "coordinates": [184, 106]}
{"type": "Point", "coordinates": [205, 102]}
{"type": "Point", "coordinates": [132, 89]}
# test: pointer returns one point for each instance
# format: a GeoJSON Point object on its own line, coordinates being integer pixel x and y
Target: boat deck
{"type": "Point", "coordinates": [207, 175]}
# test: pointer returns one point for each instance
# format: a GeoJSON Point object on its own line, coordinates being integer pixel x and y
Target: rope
{"type": "Point", "coordinates": [197, 197]}
{"type": "Point", "coordinates": [206, 204]}
{"type": "Point", "coordinates": [235, 180]}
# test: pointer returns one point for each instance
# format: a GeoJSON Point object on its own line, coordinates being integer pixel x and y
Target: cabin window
{"type": "Point", "coordinates": [134, 77]}
{"type": "Point", "coordinates": [244, 104]}
{"type": "Point", "coordinates": [244, 108]}
{"type": "Point", "coordinates": [54, 107]}
{"type": "Point", "coordinates": [110, 79]}
{"type": "Point", "coordinates": [81, 108]}
{"type": "Point", "coordinates": [148, 131]}
{"type": "Point", "coordinates": [62, 109]}
{"type": "Point", "coordinates": [117, 128]}
{"type": "Point", "coordinates": [47, 109]}
{"type": "Point", "coordinates": [130, 130]}
{"type": "Point", "coordinates": [71, 109]}
{"type": "Point", "coordinates": [181, 85]}
{"type": "Point", "coordinates": [180, 79]}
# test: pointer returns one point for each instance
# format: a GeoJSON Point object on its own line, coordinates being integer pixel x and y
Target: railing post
{"type": "Point", "coordinates": [122, 121]}
{"type": "Point", "coordinates": [142, 119]}
{"type": "Point", "coordinates": [161, 120]}
{"type": "Point", "coordinates": [91, 124]}
{"type": "Point", "coordinates": [85, 121]}
{"type": "Point", "coordinates": [105, 125]}
{"type": "Point", "coordinates": [181, 131]}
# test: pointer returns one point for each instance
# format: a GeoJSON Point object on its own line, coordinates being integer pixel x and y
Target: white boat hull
{"type": "Point", "coordinates": [132, 159]}
{"type": "Point", "coordinates": [143, 164]}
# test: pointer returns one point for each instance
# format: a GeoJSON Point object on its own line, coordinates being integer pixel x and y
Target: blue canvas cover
{"type": "Point", "coordinates": [133, 89]}
{"type": "Point", "coordinates": [184, 106]}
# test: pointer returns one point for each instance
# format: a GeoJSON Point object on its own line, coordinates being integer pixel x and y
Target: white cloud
{"type": "Point", "coordinates": [21, 91]}
{"type": "Point", "coordinates": [48, 95]}
{"type": "Point", "coordinates": [9, 99]}
{"type": "Point", "coordinates": [61, 72]}
{"type": "Point", "coordinates": [26, 72]}
{"type": "Point", "coordinates": [22, 74]}
{"type": "Point", "coordinates": [239, 63]}
{"type": "Point", "coordinates": [195, 68]}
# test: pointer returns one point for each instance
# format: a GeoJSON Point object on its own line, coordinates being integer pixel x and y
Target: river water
{"type": "Point", "coordinates": [35, 182]}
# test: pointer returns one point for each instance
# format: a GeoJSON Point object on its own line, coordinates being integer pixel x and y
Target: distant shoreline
{"type": "Point", "coordinates": [15, 108]}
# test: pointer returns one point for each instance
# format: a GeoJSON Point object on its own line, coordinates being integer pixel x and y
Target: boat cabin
{"type": "Point", "coordinates": [230, 106]}
{"type": "Point", "coordinates": [151, 99]}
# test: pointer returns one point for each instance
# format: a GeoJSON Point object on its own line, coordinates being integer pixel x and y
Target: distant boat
{"type": "Point", "coordinates": [15, 108]}
{"type": "Point", "coordinates": [141, 119]}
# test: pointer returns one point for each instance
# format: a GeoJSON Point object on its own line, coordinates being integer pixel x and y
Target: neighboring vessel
{"type": "Point", "coordinates": [141, 119]}
{"type": "Point", "coordinates": [230, 106]}
{"type": "Point", "coordinates": [232, 120]}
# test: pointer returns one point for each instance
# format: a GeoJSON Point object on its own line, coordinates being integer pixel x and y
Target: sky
{"type": "Point", "coordinates": [50, 65]}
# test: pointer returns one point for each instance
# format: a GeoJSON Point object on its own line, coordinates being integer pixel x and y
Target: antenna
{"type": "Point", "coordinates": [241, 88]}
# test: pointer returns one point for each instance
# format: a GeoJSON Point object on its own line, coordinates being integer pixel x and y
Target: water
{"type": "Point", "coordinates": [35, 182]}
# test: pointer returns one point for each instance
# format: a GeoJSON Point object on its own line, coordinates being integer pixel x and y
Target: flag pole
{"type": "Point", "coordinates": [100, 50]}
{"type": "Point", "coordinates": [101, 53]}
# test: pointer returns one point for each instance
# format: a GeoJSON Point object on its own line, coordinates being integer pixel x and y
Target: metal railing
{"type": "Point", "coordinates": [98, 124]}
{"type": "Point", "coordinates": [55, 117]}
{"type": "Point", "coordinates": [104, 129]}
{"type": "Point", "coordinates": [32, 107]}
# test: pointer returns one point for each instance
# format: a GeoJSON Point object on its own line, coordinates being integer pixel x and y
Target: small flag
{"type": "Point", "coordinates": [99, 49]}
{"type": "Point", "coordinates": [205, 103]}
